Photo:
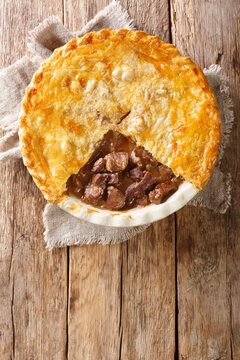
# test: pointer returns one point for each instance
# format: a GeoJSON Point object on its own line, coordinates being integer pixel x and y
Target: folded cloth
{"type": "Point", "coordinates": [62, 229]}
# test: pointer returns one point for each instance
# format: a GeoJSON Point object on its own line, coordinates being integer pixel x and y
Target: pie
{"type": "Point", "coordinates": [118, 84]}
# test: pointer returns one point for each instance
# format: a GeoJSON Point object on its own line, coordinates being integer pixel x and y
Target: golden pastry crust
{"type": "Point", "coordinates": [86, 88]}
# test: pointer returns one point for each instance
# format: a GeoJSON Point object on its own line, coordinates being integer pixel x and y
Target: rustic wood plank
{"type": "Point", "coordinates": [203, 304]}
{"type": "Point", "coordinates": [208, 312]}
{"type": "Point", "coordinates": [33, 280]}
{"type": "Point", "coordinates": [77, 14]}
{"type": "Point", "coordinates": [132, 285]}
{"type": "Point", "coordinates": [231, 67]}
{"type": "Point", "coordinates": [148, 294]}
{"type": "Point", "coordinates": [150, 16]}
{"type": "Point", "coordinates": [94, 302]}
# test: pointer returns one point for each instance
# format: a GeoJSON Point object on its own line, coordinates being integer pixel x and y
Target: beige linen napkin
{"type": "Point", "coordinates": [62, 229]}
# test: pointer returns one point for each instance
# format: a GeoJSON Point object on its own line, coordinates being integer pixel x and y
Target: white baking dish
{"type": "Point", "coordinates": [132, 217]}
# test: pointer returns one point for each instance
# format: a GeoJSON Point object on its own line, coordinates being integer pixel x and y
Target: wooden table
{"type": "Point", "coordinates": [172, 292]}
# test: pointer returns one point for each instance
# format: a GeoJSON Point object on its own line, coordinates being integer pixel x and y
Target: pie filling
{"type": "Point", "coordinates": [120, 176]}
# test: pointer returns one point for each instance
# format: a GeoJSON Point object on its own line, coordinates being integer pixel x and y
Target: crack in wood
{"type": "Point", "coordinates": [120, 329]}
{"type": "Point", "coordinates": [228, 246]}
{"type": "Point", "coordinates": [67, 307]}
{"type": "Point", "coordinates": [219, 57]}
{"type": "Point", "coordinates": [231, 347]}
{"type": "Point", "coordinates": [121, 295]}
{"type": "Point", "coordinates": [169, 21]}
{"type": "Point", "coordinates": [176, 355]}
{"type": "Point", "coordinates": [10, 263]}
{"type": "Point", "coordinates": [120, 346]}
{"type": "Point", "coordinates": [63, 12]}
{"type": "Point", "coordinates": [231, 330]}
{"type": "Point", "coordinates": [127, 255]}
{"type": "Point", "coordinates": [12, 298]}
{"type": "Point", "coordinates": [13, 325]}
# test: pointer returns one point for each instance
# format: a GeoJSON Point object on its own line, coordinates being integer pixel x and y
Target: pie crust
{"type": "Point", "coordinates": [121, 80]}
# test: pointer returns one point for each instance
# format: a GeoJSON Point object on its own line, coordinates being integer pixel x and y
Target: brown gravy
{"type": "Point", "coordinates": [155, 183]}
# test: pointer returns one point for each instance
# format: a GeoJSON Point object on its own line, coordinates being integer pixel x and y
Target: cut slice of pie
{"type": "Point", "coordinates": [123, 81]}
{"type": "Point", "coordinates": [121, 176]}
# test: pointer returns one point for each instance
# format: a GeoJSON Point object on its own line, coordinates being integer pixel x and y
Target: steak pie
{"type": "Point", "coordinates": [119, 118]}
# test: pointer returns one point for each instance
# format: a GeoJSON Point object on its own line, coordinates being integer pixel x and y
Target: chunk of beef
{"type": "Point", "coordinates": [104, 178]}
{"type": "Point", "coordinates": [162, 190]}
{"type": "Point", "coordinates": [113, 178]}
{"type": "Point", "coordinates": [148, 158]}
{"type": "Point", "coordinates": [93, 193]}
{"type": "Point", "coordinates": [169, 186]}
{"type": "Point", "coordinates": [164, 173]}
{"type": "Point", "coordinates": [160, 173]}
{"type": "Point", "coordinates": [137, 189]}
{"type": "Point", "coordinates": [136, 174]}
{"type": "Point", "coordinates": [116, 161]}
{"type": "Point", "coordinates": [156, 195]}
{"type": "Point", "coordinates": [99, 165]}
{"type": "Point", "coordinates": [143, 201]}
{"type": "Point", "coordinates": [115, 198]}
{"type": "Point", "coordinates": [136, 157]}
{"type": "Point", "coordinates": [100, 179]}
{"type": "Point", "coordinates": [141, 157]}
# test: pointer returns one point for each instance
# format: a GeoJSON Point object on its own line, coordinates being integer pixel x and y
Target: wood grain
{"type": "Point", "coordinates": [94, 302]}
{"type": "Point", "coordinates": [207, 33]}
{"type": "Point", "coordinates": [148, 294]}
{"type": "Point", "coordinates": [33, 280]}
{"type": "Point", "coordinates": [121, 301]}
{"type": "Point", "coordinates": [231, 46]}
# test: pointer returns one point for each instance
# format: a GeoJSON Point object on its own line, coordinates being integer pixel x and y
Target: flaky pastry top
{"type": "Point", "coordinates": [121, 80]}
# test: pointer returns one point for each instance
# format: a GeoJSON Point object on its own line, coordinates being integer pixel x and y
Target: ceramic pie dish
{"type": "Point", "coordinates": [136, 86]}
{"type": "Point", "coordinates": [133, 217]}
